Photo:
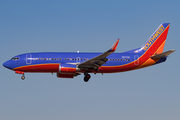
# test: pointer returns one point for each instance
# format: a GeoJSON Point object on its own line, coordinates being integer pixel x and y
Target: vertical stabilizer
{"type": "Point", "coordinates": [155, 44]}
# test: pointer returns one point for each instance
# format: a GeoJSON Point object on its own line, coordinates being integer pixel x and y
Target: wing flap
{"type": "Point", "coordinates": [162, 55]}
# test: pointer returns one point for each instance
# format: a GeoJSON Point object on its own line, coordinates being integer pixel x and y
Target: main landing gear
{"type": "Point", "coordinates": [86, 77]}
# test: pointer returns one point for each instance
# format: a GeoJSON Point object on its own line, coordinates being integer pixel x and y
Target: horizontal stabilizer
{"type": "Point", "coordinates": [162, 55]}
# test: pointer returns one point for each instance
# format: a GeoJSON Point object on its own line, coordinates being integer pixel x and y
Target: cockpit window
{"type": "Point", "coordinates": [15, 58]}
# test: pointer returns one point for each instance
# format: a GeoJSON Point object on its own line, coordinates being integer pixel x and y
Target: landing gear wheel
{"type": "Point", "coordinates": [87, 77]}
{"type": "Point", "coordinates": [23, 77]}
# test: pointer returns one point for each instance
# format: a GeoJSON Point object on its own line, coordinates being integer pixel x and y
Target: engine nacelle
{"type": "Point", "coordinates": [68, 69]}
{"type": "Point", "coordinates": [65, 75]}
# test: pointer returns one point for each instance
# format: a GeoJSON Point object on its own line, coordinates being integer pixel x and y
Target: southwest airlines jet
{"type": "Point", "coordinates": [69, 65]}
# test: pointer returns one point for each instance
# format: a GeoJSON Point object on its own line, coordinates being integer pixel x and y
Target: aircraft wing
{"type": "Point", "coordinates": [99, 60]}
{"type": "Point", "coordinates": [162, 55]}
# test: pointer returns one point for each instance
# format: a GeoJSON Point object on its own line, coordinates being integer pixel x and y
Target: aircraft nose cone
{"type": "Point", "coordinates": [6, 64]}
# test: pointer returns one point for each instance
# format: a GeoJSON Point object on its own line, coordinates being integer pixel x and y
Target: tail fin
{"type": "Point", "coordinates": [155, 44]}
{"type": "Point", "coordinates": [151, 52]}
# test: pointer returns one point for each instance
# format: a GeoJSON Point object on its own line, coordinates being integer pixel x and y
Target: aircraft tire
{"type": "Point", "coordinates": [23, 77]}
{"type": "Point", "coordinates": [87, 77]}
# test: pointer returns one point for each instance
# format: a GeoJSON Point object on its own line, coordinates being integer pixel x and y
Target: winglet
{"type": "Point", "coordinates": [113, 48]}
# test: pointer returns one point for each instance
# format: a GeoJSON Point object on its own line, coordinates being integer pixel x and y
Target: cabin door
{"type": "Point", "coordinates": [28, 59]}
{"type": "Point", "coordinates": [136, 60]}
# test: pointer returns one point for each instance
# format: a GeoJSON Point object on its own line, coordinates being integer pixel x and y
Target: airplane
{"type": "Point", "coordinates": [70, 65]}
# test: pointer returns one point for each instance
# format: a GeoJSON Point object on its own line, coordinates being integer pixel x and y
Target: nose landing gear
{"type": "Point", "coordinates": [22, 77]}
{"type": "Point", "coordinates": [20, 72]}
